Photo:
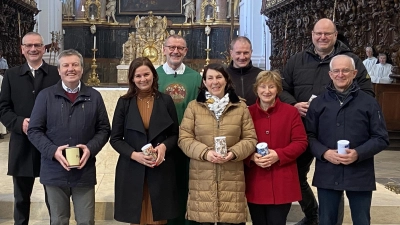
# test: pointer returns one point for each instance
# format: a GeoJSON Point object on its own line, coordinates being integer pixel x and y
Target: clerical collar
{"type": "Point", "coordinates": [169, 70]}
{"type": "Point", "coordinates": [69, 90]}
{"type": "Point", "coordinates": [33, 69]}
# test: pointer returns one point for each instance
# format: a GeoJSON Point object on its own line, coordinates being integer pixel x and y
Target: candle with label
{"type": "Point", "coordinates": [94, 42]}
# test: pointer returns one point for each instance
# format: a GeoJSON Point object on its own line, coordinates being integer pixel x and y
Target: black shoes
{"type": "Point", "coordinates": [306, 221]}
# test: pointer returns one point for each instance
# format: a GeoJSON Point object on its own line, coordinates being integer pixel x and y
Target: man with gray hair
{"type": "Point", "coordinates": [370, 61]}
{"type": "Point", "coordinates": [20, 86]}
{"type": "Point", "coordinates": [354, 117]}
{"type": "Point", "coordinates": [69, 114]}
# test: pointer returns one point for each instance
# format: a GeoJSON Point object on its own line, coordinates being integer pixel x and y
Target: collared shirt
{"type": "Point", "coordinates": [169, 70]}
{"type": "Point", "coordinates": [33, 70]}
{"type": "Point", "coordinates": [3, 64]}
{"type": "Point", "coordinates": [69, 90]}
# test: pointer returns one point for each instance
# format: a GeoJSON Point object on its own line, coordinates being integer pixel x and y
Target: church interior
{"type": "Point", "coordinates": [111, 33]}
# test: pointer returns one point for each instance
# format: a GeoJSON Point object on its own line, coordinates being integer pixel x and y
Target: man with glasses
{"type": "Point", "coordinates": [344, 112]}
{"type": "Point", "coordinates": [181, 83]}
{"type": "Point", "coordinates": [241, 69]}
{"type": "Point", "coordinates": [306, 75]}
{"type": "Point", "coordinates": [21, 85]}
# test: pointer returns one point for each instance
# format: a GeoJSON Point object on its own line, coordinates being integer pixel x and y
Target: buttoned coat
{"type": "Point", "coordinates": [282, 129]}
{"type": "Point", "coordinates": [217, 191]}
{"type": "Point", "coordinates": [128, 135]}
{"type": "Point", "coordinates": [18, 93]}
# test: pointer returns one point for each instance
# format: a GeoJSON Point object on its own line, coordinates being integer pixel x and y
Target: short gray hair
{"type": "Point", "coordinates": [32, 34]}
{"type": "Point", "coordinates": [69, 52]}
{"type": "Point", "coordinates": [342, 56]}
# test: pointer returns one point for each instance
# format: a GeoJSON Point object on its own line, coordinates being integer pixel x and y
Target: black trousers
{"type": "Point", "coordinates": [22, 199]}
{"type": "Point", "coordinates": [308, 203]}
{"type": "Point", "coordinates": [269, 214]}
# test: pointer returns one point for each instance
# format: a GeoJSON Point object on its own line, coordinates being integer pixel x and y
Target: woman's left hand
{"type": "Point", "coordinates": [267, 160]}
{"type": "Point", "coordinates": [160, 149]}
{"type": "Point", "coordinates": [225, 159]}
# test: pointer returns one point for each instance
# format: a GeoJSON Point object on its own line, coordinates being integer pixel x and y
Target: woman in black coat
{"type": "Point", "coordinates": [145, 187]}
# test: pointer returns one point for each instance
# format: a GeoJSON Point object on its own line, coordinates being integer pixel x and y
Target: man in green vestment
{"type": "Point", "coordinates": [181, 83]}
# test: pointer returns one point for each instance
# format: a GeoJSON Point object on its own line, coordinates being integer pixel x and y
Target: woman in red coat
{"type": "Point", "coordinates": [272, 183]}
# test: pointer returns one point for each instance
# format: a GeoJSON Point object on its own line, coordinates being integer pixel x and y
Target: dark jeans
{"type": "Point", "coordinates": [308, 203]}
{"type": "Point", "coordinates": [269, 214]}
{"type": "Point", "coordinates": [360, 204]}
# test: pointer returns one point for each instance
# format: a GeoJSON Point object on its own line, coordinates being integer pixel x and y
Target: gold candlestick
{"type": "Point", "coordinates": [208, 53]}
{"type": "Point", "coordinates": [93, 77]}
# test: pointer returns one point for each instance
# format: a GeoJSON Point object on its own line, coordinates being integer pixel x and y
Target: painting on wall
{"type": "Point", "coordinates": [142, 7]}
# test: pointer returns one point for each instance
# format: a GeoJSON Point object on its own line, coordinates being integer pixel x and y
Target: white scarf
{"type": "Point", "coordinates": [216, 104]}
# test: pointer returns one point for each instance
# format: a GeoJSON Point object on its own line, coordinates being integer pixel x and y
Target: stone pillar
{"type": "Point", "coordinates": [198, 10]}
{"type": "Point", "coordinates": [252, 24]}
{"type": "Point", "coordinates": [103, 10]}
{"type": "Point", "coordinates": [48, 20]}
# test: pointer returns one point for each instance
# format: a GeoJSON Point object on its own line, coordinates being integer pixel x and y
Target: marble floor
{"type": "Point", "coordinates": [385, 205]}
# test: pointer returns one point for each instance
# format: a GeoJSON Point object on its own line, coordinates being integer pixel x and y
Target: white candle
{"type": "Point", "coordinates": [208, 42]}
{"type": "Point", "coordinates": [208, 17]}
{"type": "Point", "coordinates": [83, 9]}
{"type": "Point", "coordinates": [217, 9]}
{"type": "Point", "coordinates": [94, 42]}
{"type": "Point", "coordinates": [92, 17]}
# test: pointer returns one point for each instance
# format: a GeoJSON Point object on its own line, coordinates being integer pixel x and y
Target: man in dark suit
{"type": "Point", "coordinates": [19, 89]}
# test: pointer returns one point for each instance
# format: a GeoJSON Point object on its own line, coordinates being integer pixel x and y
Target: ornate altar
{"type": "Point", "coordinates": [361, 23]}
{"type": "Point", "coordinates": [146, 42]}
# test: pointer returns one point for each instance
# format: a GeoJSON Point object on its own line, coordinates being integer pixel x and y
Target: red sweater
{"type": "Point", "coordinates": [282, 129]}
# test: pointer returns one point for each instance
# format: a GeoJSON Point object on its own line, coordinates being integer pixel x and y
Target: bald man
{"type": "Point", "coordinates": [306, 75]}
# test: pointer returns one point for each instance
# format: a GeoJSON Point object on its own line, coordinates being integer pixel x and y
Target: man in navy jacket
{"type": "Point", "coordinates": [69, 114]}
{"type": "Point", "coordinates": [344, 112]}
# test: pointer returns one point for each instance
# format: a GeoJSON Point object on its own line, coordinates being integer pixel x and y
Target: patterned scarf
{"type": "Point", "coordinates": [216, 104]}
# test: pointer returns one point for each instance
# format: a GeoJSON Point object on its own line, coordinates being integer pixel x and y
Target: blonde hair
{"type": "Point", "coordinates": [268, 76]}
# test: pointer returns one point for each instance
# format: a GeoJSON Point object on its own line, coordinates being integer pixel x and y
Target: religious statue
{"type": "Point", "coordinates": [150, 35]}
{"type": "Point", "coordinates": [110, 10]}
{"type": "Point", "coordinates": [235, 8]}
{"type": "Point", "coordinates": [68, 8]}
{"type": "Point", "coordinates": [128, 50]}
{"type": "Point", "coordinates": [189, 11]}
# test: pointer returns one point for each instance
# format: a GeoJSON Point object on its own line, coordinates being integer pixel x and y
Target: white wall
{"type": "Point", "coordinates": [252, 25]}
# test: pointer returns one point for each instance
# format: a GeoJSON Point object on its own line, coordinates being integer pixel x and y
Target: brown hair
{"type": "Point", "coordinates": [136, 63]}
{"type": "Point", "coordinates": [220, 68]}
{"type": "Point", "coordinates": [267, 76]}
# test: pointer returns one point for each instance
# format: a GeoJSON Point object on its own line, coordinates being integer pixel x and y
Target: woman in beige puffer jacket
{"type": "Point", "coordinates": [216, 183]}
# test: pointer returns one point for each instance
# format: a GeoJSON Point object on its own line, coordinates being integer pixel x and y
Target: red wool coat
{"type": "Point", "coordinates": [282, 129]}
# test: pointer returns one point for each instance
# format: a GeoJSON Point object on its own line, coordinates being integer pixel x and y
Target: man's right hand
{"type": "Point", "coordinates": [302, 107]}
{"type": "Point", "coordinates": [25, 125]}
{"type": "Point", "coordinates": [60, 158]}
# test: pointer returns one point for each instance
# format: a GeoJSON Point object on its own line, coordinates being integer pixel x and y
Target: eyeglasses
{"type": "Point", "coordinates": [319, 34]}
{"type": "Point", "coordinates": [31, 45]}
{"type": "Point", "coordinates": [172, 48]}
{"type": "Point", "coordinates": [343, 71]}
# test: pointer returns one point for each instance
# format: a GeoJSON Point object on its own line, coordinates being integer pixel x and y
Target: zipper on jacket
{"type": "Point", "coordinates": [83, 108]}
{"type": "Point", "coordinates": [62, 118]}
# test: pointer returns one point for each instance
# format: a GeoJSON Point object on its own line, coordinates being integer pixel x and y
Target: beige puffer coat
{"type": "Point", "coordinates": [217, 191]}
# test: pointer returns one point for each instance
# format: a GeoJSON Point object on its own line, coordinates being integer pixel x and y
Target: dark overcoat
{"type": "Point", "coordinates": [18, 93]}
{"type": "Point", "coordinates": [128, 134]}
